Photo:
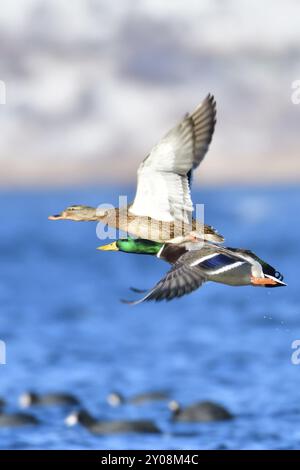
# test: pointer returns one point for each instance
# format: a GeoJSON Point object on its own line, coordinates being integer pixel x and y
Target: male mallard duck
{"type": "Point", "coordinates": [162, 208]}
{"type": "Point", "coordinates": [192, 267]}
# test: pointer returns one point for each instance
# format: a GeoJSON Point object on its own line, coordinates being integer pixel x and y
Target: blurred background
{"type": "Point", "coordinates": [90, 86]}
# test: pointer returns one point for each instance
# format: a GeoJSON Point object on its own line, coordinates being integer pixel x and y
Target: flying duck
{"type": "Point", "coordinates": [162, 208]}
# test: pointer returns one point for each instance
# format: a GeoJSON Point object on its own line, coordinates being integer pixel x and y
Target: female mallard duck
{"type": "Point", "coordinates": [162, 208]}
{"type": "Point", "coordinates": [192, 267]}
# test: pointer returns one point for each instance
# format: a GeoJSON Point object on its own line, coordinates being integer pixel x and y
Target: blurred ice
{"type": "Point", "coordinates": [92, 85]}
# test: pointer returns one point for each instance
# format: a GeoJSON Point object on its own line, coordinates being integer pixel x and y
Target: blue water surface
{"type": "Point", "coordinates": [65, 329]}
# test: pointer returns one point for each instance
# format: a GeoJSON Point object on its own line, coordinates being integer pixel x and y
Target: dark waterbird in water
{"type": "Point", "coordinates": [17, 419]}
{"type": "Point", "coordinates": [194, 263]}
{"type": "Point", "coordinates": [84, 418]}
{"type": "Point", "coordinates": [203, 411]}
{"type": "Point", "coordinates": [32, 399]}
{"type": "Point", "coordinates": [116, 399]}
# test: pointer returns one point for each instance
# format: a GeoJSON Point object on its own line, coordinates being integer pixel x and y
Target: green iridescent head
{"type": "Point", "coordinates": [130, 245]}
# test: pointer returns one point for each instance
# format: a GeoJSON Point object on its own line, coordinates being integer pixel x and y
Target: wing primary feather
{"type": "Point", "coordinates": [180, 280]}
{"type": "Point", "coordinates": [138, 291]}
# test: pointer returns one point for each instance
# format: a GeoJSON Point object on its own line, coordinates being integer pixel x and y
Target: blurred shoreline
{"type": "Point", "coordinates": [81, 173]}
{"type": "Point", "coordinates": [92, 86]}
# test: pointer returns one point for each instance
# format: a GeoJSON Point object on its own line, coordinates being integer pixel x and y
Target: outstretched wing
{"type": "Point", "coordinates": [182, 279]}
{"type": "Point", "coordinates": [163, 190]}
{"type": "Point", "coordinates": [191, 270]}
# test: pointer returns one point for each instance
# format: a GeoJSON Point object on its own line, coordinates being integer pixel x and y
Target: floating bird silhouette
{"type": "Point", "coordinates": [95, 426]}
{"type": "Point", "coordinates": [116, 398]}
{"type": "Point", "coordinates": [202, 411]}
{"type": "Point", "coordinates": [17, 419]}
{"type": "Point", "coordinates": [34, 399]}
